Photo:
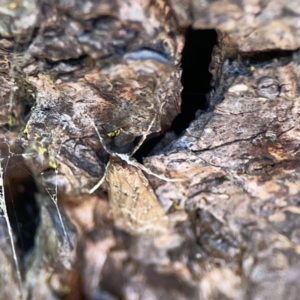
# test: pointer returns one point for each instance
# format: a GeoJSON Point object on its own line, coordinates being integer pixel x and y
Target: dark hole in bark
{"type": "Point", "coordinates": [23, 212]}
{"type": "Point", "coordinates": [196, 57]}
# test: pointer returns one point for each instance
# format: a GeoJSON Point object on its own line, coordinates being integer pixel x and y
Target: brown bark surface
{"type": "Point", "coordinates": [250, 25]}
{"type": "Point", "coordinates": [210, 214]}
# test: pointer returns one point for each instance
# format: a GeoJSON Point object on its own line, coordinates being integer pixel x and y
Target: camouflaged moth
{"type": "Point", "coordinates": [134, 205]}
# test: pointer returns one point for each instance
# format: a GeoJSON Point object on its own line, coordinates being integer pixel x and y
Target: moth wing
{"type": "Point", "coordinates": [134, 205]}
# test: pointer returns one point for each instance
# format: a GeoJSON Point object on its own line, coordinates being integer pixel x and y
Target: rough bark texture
{"type": "Point", "coordinates": [250, 25]}
{"type": "Point", "coordinates": [100, 76]}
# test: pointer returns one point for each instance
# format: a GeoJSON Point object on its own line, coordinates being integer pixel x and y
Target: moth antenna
{"type": "Point", "coordinates": [92, 190]}
{"type": "Point", "coordinates": [126, 157]}
{"type": "Point", "coordinates": [99, 136]}
{"type": "Point", "coordinates": [146, 170]}
{"type": "Point", "coordinates": [136, 164]}
{"type": "Point", "coordinates": [137, 147]}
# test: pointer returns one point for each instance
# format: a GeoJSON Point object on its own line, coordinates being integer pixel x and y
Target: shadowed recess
{"type": "Point", "coordinates": [20, 190]}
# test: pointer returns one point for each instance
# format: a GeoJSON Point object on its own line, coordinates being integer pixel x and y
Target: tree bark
{"type": "Point", "coordinates": [215, 212]}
